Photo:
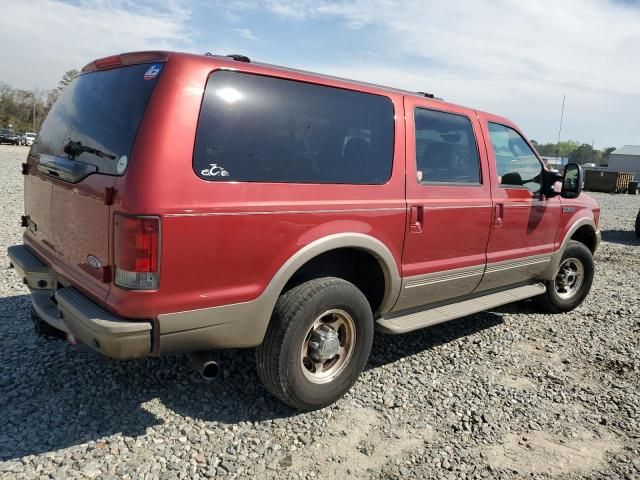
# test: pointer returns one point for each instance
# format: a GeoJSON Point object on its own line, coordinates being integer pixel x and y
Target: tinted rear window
{"type": "Point", "coordinates": [262, 129]}
{"type": "Point", "coordinates": [101, 110]}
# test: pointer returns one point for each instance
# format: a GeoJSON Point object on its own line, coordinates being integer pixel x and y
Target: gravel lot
{"type": "Point", "coordinates": [503, 394]}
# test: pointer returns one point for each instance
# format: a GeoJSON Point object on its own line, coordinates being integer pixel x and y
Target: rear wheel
{"type": "Point", "coordinates": [572, 281]}
{"type": "Point", "coordinates": [317, 343]}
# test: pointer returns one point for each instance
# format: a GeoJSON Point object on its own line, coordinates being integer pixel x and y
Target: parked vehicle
{"type": "Point", "coordinates": [221, 203]}
{"type": "Point", "coordinates": [8, 136]}
{"type": "Point", "coordinates": [28, 138]}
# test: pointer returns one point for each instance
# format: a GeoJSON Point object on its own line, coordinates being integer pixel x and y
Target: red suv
{"type": "Point", "coordinates": [180, 203]}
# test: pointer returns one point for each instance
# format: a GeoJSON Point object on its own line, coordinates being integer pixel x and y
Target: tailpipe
{"type": "Point", "coordinates": [204, 364]}
{"type": "Point", "coordinates": [43, 329]}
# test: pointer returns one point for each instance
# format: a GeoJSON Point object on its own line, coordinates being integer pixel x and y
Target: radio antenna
{"type": "Point", "coordinates": [560, 130]}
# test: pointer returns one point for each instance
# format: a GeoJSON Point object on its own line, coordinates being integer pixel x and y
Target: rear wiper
{"type": "Point", "coordinates": [73, 149]}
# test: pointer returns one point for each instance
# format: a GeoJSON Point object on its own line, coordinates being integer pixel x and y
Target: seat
{"type": "Point", "coordinates": [512, 178]}
{"type": "Point", "coordinates": [356, 151]}
{"type": "Point", "coordinates": [435, 162]}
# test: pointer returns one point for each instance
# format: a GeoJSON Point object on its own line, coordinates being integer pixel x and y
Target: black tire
{"type": "Point", "coordinates": [552, 301]}
{"type": "Point", "coordinates": [279, 360]}
{"type": "Point", "coordinates": [638, 225]}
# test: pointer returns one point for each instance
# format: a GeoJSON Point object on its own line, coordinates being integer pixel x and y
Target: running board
{"type": "Point", "coordinates": [444, 313]}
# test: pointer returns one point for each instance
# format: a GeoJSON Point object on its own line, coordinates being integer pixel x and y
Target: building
{"type": "Point", "coordinates": [626, 159]}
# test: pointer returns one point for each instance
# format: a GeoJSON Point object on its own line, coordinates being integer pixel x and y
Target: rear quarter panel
{"type": "Point", "coordinates": [222, 242]}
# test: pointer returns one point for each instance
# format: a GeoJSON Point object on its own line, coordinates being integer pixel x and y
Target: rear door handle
{"type": "Point", "coordinates": [498, 214]}
{"type": "Point", "coordinates": [416, 213]}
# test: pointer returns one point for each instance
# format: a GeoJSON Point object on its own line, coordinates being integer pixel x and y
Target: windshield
{"type": "Point", "coordinates": [5, 131]}
{"type": "Point", "coordinates": [102, 110]}
{"type": "Point", "coordinates": [30, 135]}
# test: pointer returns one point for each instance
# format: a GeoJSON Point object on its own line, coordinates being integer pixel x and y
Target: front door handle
{"type": "Point", "coordinates": [416, 213]}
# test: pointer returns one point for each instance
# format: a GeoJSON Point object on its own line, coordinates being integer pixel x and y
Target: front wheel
{"type": "Point", "coordinates": [638, 225]}
{"type": "Point", "coordinates": [317, 343]}
{"type": "Point", "coordinates": [572, 281]}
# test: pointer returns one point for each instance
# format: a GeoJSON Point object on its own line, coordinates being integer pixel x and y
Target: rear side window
{"type": "Point", "coordinates": [261, 129]}
{"type": "Point", "coordinates": [446, 149]}
{"type": "Point", "coordinates": [101, 110]}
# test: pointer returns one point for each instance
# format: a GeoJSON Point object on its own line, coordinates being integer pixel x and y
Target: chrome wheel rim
{"type": "Point", "coordinates": [570, 278]}
{"type": "Point", "coordinates": [328, 346]}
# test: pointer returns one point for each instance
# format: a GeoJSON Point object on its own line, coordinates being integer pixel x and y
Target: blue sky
{"type": "Point", "coordinates": [509, 57]}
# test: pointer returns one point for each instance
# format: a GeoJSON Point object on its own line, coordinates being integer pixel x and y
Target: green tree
{"type": "Point", "coordinates": [606, 154]}
{"type": "Point", "coordinates": [583, 154]}
{"type": "Point", "coordinates": [66, 79]}
{"type": "Point", "coordinates": [563, 149]}
{"type": "Point", "coordinates": [23, 109]}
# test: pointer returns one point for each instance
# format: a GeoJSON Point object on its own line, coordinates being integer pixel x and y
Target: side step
{"type": "Point", "coordinates": [33, 272]}
{"type": "Point", "coordinates": [444, 313]}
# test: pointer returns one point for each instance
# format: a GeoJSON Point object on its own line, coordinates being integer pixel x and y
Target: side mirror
{"type": "Point", "coordinates": [549, 180]}
{"type": "Point", "coordinates": [572, 181]}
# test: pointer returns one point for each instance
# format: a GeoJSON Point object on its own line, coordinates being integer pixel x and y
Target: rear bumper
{"type": "Point", "coordinates": [69, 310]}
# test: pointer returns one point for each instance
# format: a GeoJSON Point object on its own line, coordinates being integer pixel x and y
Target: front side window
{"type": "Point", "coordinates": [516, 164]}
{"type": "Point", "coordinates": [255, 128]}
{"type": "Point", "coordinates": [446, 149]}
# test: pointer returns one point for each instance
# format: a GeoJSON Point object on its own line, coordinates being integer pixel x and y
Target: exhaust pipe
{"type": "Point", "coordinates": [204, 364]}
{"type": "Point", "coordinates": [43, 329]}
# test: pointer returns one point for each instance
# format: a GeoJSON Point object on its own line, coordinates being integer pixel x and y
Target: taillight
{"type": "Point", "coordinates": [136, 251]}
{"type": "Point", "coordinates": [596, 216]}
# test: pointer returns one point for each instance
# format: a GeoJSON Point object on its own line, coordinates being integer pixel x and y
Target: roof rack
{"type": "Point", "coordinates": [239, 58]}
{"type": "Point", "coordinates": [234, 56]}
{"type": "Point", "coordinates": [429, 95]}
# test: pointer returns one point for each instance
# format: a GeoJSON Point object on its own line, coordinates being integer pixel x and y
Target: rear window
{"type": "Point", "coordinates": [102, 110]}
{"type": "Point", "coordinates": [261, 129]}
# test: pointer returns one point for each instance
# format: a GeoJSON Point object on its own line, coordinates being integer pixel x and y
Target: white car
{"type": "Point", "coordinates": [28, 138]}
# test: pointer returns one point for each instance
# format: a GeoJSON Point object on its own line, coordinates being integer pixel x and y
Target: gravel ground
{"type": "Point", "coordinates": [503, 394]}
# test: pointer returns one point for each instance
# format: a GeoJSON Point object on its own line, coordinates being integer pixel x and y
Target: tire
{"type": "Point", "coordinates": [638, 225]}
{"type": "Point", "coordinates": [562, 294]}
{"type": "Point", "coordinates": [286, 360]}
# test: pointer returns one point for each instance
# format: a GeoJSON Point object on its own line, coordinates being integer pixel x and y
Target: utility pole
{"type": "Point", "coordinates": [560, 130]}
{"type": "Point", "coordinates": [34, 112]}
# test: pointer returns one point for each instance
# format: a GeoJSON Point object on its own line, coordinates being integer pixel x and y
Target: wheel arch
{"type": "Point", "coordinates": [581, 229]}
{"type": "Point", "coordinates": [341, 241]}
{"type": "Point", "coordinates": [244, 324]}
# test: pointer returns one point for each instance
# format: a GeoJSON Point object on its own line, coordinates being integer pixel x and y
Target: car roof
{"type": "Point", "coordinates": [321, 76]}
{"type": "Point", "coordinates": [225, 61]}
{"type": "Point", "coordinates": [234, 62]}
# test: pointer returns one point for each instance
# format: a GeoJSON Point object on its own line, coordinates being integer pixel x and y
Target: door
{"type": "Point", "coordinates": [525, 222]}
{"type": "Point", "coordinates": [84, 144]}
{"type": "Point", "coordinates": [449, 202]}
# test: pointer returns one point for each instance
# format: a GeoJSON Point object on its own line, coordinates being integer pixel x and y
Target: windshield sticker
{"type": "Point", "coordinates": [214, 171]}
{"type": "Point", "coordinates": [153, 71]}
{"type": "Point", "coordinates": [121, 166]}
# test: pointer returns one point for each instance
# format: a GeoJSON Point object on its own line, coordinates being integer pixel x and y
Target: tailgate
{"type": "Point", "coordinates": [84, 145]}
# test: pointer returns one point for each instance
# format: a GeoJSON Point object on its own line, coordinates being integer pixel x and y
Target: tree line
{"type": "Point", "coordinates": [25, 110]}
{"type": "Point", "coordinates": [577, 152]}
